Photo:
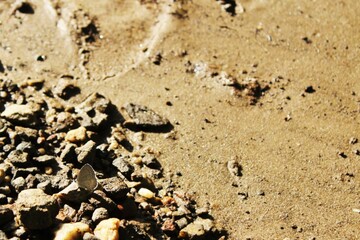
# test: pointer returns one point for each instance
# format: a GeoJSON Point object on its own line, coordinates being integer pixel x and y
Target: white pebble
{"type": "Point", "coordinates": [146, 193]}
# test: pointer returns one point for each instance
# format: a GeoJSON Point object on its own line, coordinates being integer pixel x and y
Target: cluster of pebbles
{"type": "Point", "coordinates": [79, 171]}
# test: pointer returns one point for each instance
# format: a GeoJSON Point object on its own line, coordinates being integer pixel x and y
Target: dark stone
{"type": "Point", "coordinates": [6, 215]}
{"type": "Point", "coordinates": [85, 209]}
{"type": "Point", "coordinates": [93, 111]}
{"type": "Point", "coordinates": [143, 118]}
{"type": "Point", "coordinates": [128, 208]}
{"type": "Point", "coordinates": [86, 153]}
{"type": "Point", "coordinates": [114, 187]}
{"type": "Point", "coordinates": [26, 8]}
{"type": "Point", "coordinates": [310, 89]}
{"type": "Point", "coordinates": [123, 166]}
{"type": "Point", "coordinates": [3, 199]}
{"type": "Point", "coordinates": [18, 158]}
{"type": "Point", "coordinates": [99, 199]}
{"type": "Point", "coordinates": [68, 154]}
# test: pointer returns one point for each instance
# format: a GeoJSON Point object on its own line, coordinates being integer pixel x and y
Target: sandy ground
{"type": "Point", "coordinates": [300, 173]}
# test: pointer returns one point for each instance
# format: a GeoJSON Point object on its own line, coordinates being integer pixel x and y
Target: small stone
{"type": "Point", "coordinates": [2, 175]}
{"type": "Point", "coordinates": [3, 199]}
{"type": "Point", "coordinates": [99, 214]}
{"type": "Point", "coordinates": [5, 190]}
{"type": "Point", "coordinates": [68, 154]}
{"type": "Point", "coordinates": [192, 230]}
{"type": "Point", "coordinates": [45, 159]}
{"type": "Point", "coordinates": [18, 158]}
{"type": "Point", "coordinates": [25, 147]}
{"type": "Point", "coordinates": [6, 215]}
{"type": "Point", "coordinates": [168, 226]}
{"type": "Point", "coordinates": [36, 209]}
{"type": "Point", "coordinates": [85, 211]}
{"type": "Point", "coordinates": [26, 133]}
{"type": "Point", "coordinates": [356, 152]}
{"type": "Point", "coordinates": [48, 170]}
{"type": "Point", "coordinates": [353, 140]}
{"type": "Point", "coordinates": [99, 199]}
{"type": "Point", "coordinates": [182, 222]}
{"type": "Point", "coordinates": [92, 111]}
{"type": "Point", "coordinates": [74, 193]}
{"type": "Point", "coordinates": [90, 236]}
{"type": "Point", "coordinates": [123, 166]}
{"type": "Point", "coordinates": [86, 153]}
{"type": "Point", "coordinates": [198, 228]}
{"type": "Point", "coordinates": [3, 235]}
{"type": "Point", "coordinates": [72, 231]}
{"type": "Point", "coordinates": [77, 135]}
{"type": "Point", "coordinates": [19, 184]}
{"type": "Point", "coordinates": [108, 229]}
{"type": "Point", "coordinates": [45, 186]}
{"type": "Point", "coordinates": [24, 115]}
{"type": "Point", "coordinates": [66, 88]}
{"type": "Point", "coordinates": [143, 118]}
{"type": "Point", "coordinates": [309, 89]}
{"type": "Point", "coordinates": [146, 193]}
{"type": "Point", "coordinates": [234, 168]}
{"type": "Point", "coordinates": [341, 154]}
{"type": "Point", "coordinates": [114, 187]}
{"type": "Point", "coordinates": [151, 161]}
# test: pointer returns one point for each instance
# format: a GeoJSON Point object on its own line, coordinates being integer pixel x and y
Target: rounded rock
{"type": "Point", "coordinates": [100, 214]}
{"type": "Point", "coordinates": [76, 135]}
{"type": "Point", "coordinates": [146, 193]}
{"type": "Point", "coordinates": [108, 229]}
{"type": "Point", "coordinates": [70, 231]}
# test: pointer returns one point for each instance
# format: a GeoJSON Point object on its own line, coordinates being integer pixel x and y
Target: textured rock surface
{"type": "Point", "coordinates": [36, 209]}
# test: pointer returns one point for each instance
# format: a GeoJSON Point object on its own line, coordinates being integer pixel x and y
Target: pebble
{"type": "Point", "coordinates": [143, 118]}
{"type": "Point", "coordinates": [72, 231]}
{"type": "Point", "coordinates": [114, 187]}
{"type": "Point", "coordinates": [146, 193]}
{"type": "Point", "coordinates": [2, 175]}
{"type": "Point", "coordinates": [234, 168]}
{"type": "Point", "coordinates": [3, 235]}
{"type": "Point", "coordinates": [77, 135]}
{"type": "Point", "coordinates": [108, 229]}
{"type": "Point", "coordinates": [100, 214]}
{"type": "Point", "coordinates": [23, 115]}
{"type": "Point", "coordinates": [36, 209]}
{"type": "Point", "coordinates": [18, 158]}
{"type": "Point", "coordinates": [86, 153]}
{"type": "Point", "coordinates": [353, 140]}
{"type": "Point", "coordinates": [123, 166]}
{"type": "Point", "coordinates": [48, 170]}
